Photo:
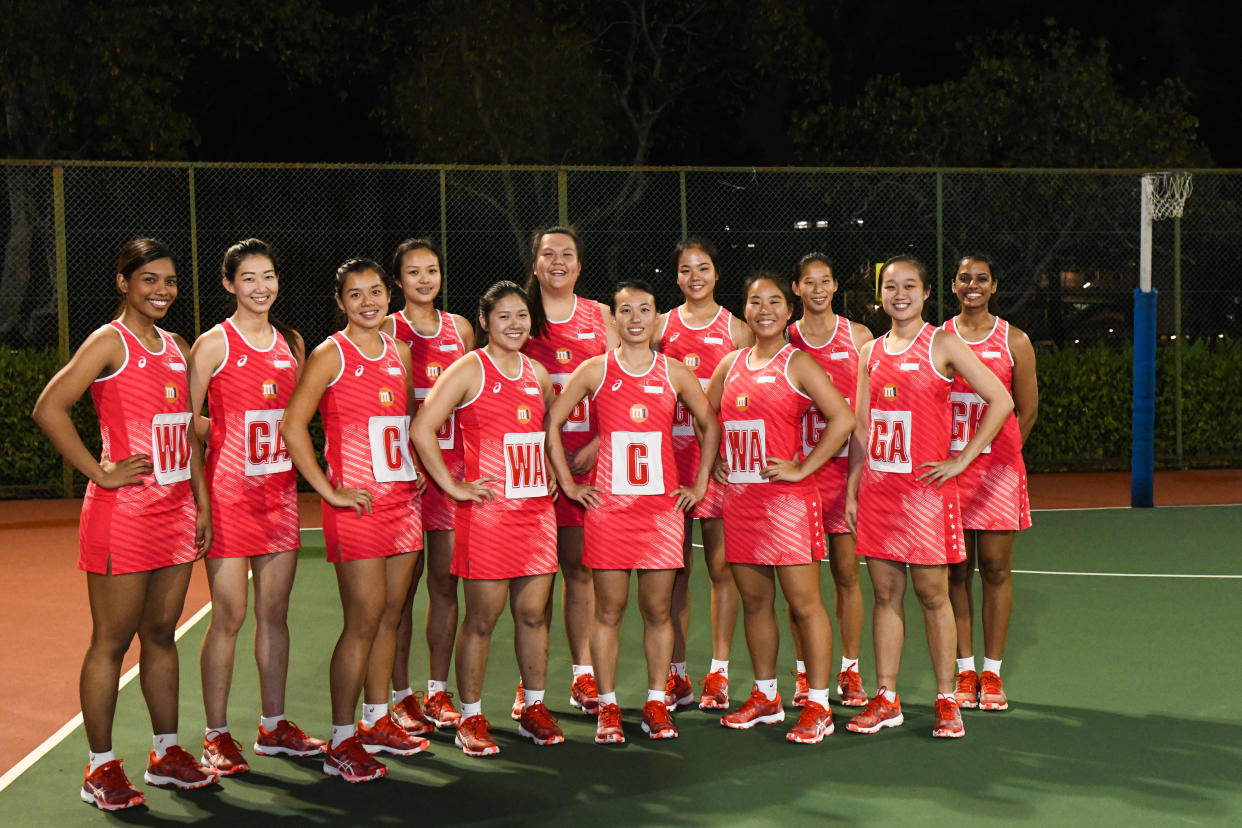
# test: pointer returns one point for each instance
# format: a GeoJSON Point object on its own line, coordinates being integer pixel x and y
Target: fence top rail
{"type": "Point", "coordinates": [263, 165]}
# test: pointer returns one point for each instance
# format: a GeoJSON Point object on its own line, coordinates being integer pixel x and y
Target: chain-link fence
{"type": "Point", "coordinates": [1065, 242]}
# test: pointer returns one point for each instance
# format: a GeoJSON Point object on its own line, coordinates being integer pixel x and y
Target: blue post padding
{"type": "Point", "coordinates": [1143, 422]}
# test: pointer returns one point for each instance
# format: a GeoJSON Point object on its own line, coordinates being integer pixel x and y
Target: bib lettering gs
{"type": "Point", "coordinates": [888, 444]}
{"type": "Point", "coordinates": [636, 466]}
{"type": "Point", "coordinates": [170, 447]}
{"type": "Point", "coordinates": [390, 448]}
{"type": "Point", "coordinates": [745, 450]}
{"type": "Point", "coordinates": [265, 449]}
{"type": "Point", "coordinates": [525, 472]}
{"type": "Point", "coordinates": [579, 418]}
{"type": "Point", "coordinates": [967, 410]}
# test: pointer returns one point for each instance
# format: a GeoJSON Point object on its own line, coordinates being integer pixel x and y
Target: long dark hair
{"type": "Point", "coordinates": [488, 301]}
{"type": "Point", "coordinates": [534, 294]}
{"type": "Point", "coordinates": [692, 243]}
{"type": "Point", "coordinates": [134, 254]}
{"type": "Point", "coordinates": [233, 258]}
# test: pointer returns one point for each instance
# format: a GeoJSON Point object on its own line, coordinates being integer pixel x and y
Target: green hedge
{"type": "Point", "coordinates": [1084, 412]}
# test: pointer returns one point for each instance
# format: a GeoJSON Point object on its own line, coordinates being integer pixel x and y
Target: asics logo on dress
{"type": "Point", "coordinates": [616, 386]}
{"type": "Point", "coordinates": [358, 371]}
{"type": "Point", "coordinates": [241, 360]}
{"type": "Point", "coordinates": [496, 387]}
{"type": "Point", "coordinates": [673, 338]}
{"type": "Point", "coordinates": [142, 362]}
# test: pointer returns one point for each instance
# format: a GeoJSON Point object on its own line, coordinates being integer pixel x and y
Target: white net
{"type": "Point", "coordinates": [1169, 191]}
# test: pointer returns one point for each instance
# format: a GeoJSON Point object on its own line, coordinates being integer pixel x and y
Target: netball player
{"type": "Point", "coordinates": [902, 496]}
{"type": "Point", "coordinates": [772, 515]}
{"type": "Point", "coordinates": [504, 545]}
{"type": "Point", "coordinates": [246, 368]}
{"type": "Point", "coordinates": [992, 488]}
{"type": "Point", "coordinates": [436, 339]}
{"type": "Point", "coordinates": [634, 493]}
{"type": "Point", "coordinates": [699, 333]}
{"type": "Point", "coordinates": [359, 378]}
{"type": "Point", "coordinates": [566, 330]}
{"type": "Point", "coordinates": [145, 519]}
{"type": "Point", "coordinates": [833, 341]}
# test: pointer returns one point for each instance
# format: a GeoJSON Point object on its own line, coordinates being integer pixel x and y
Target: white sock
{"type": "Point", "coordinates": [767, 687]}
{"type": "Point", "coordinates": [611, 698]}
{"type": "Point", "coordinates": [372, 713]}
{"type": "Point", "coordinates": [800, 666]}
{"type": "Point", "coordinates": [162, 742]}
{"type": "Point", "coordinates": [583, 669]}
{"type": "Point", "coordinates": [97, 760]}
{"type": "Point", "coordinates": [532, 697]}
{"type": "Point", "coordinates": [434, 687]}
{"type": "Point", "coordinates": [656, 695]}
{"type": "Point", "coordinates": [678, 668]}
{"type": "Point", "coordinates": [967, 663]}
{"type": "Point", "coordinates": [399, 695]}
{"type": "Point", "coordinates": [889, 695]}
{"type": "Point", "coordinates": [216, 730]}
{"type": "Point", "coordinates": [719, 666]}
{"type": "Point", "coordinates": [270, 723]}
{"type": "Point", "coordinates": [820, 697]}
{"type": "Point", "coordinates": [991, 665]}
{"type": "Point", "coordinates": [469, 709]}
{"type": "Point", "coordinates": [342, 732]}
{"type": "Point", "coordinates": [849, 665]}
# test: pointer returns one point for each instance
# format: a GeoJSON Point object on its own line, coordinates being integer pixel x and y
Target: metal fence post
{"type": "Point", "coordinates": [685, 229]}
{"type": "Point", "coordinates": [939, 247]}
{"type": "Point", "coordinates": [198, 325]}
{"type": "Point", "coordinates": [443, 239]}
{"type": "Point", "coordinates": [562, 198]}
{"type": "Point", "coordinates": [1177, 339]}
{"type": "Point", "coordinates": [62, 298]}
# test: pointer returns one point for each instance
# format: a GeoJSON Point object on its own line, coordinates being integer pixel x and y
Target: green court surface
{"type": "Point", "coordinates": [1122, 713]}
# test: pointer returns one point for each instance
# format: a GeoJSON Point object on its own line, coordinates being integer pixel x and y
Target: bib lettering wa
{"type": "Point", "coordinates": [526, 475]}
{"type": "Point", "coordinates": [745, 450]}
{"type": "Point", "coordinates": [170, 447]}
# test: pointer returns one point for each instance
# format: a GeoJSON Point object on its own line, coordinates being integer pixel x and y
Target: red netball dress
{"type": "Point", "coordinates": [701, 349]}
{"type": "Point", "coordinates": [839, 357]}
{"type": "Point", "coordinates": [502, 433]}
{"type": "Point", "coordinates": [562, 348]}
{"type": "Point", "coordinates": [430, 355]}
{"type": "Point", "coordinates": [143, 408]}
{"type": "Point", "coordinates": [635, 472]}
{"type": "Point", "coordinates": [254, 496]}
{"type": "Point", "coordinates": [766, 522]}
{"type": "Point", "coordinates": [993, 487]}
{"type": "Point", "coordinates": [899, 518]}
{"type": "Point", "coordinates": [367, 445]}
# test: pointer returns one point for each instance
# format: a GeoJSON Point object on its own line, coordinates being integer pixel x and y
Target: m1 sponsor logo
{"type": "Point", "coordinates": [637, 466]}
{"type": "Point", "coordinates": [742, 402]}
{"type": "Point", "coordinates": [967, 410]}
{"type": "Point", "coordinates": [265, 448]}
{"type": "Point", "coordinates": [580, 417]}
{"type": "Point", "coordinates": [170, 392]}
{"type": "Point", "coordinates": [691, 361]}
{"type": "Point", "coordinates": [446, 432]}
{"type": "Point", "coordinates": [269, 389]}
{"type": "Point", "coordinates": [526, 473]}
{"type": "Point", "coordinates": [890, 391]}
{"type": "Point", "coordinates": [523, 414]}
{"type": "Point", "coordinates": [564, 355]}
{"type": "Point", "coordinates": [434, 369]}
{"type": "Point", "coordinates": [386, 397]}
{"type": "Point", "coordinates": [391, 460]}
{"type": "Point", "coordinates": [888, 444]}
{"type": "Point", "coordinates": [745, 450]}
{"type": "Point", "coordinates": [170, 447]}
{"type": "Point", "coordinates": [638, 413]}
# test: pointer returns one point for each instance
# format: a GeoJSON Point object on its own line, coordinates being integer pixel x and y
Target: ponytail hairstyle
{"type": "Point", "coordinates": [134, 254]}
{"type": "Point", "coordinates": [398, 258]}
{"type": "Point", "coordinates": [639, 285]}
{"type": "Point", "coordinates": [488, 301]}
{"type": "Point", "coordinates": [343, 272]}
{"type": "Point", "coordinates": [233, 258]}
{"type": "Point", "coordinates": [692, 243]}
{"type": "Point", "coordinates": [914, 262]}
{"type": "Point", "coordinates": [534, 294]}
{"type": "Point", "coordinates": [812, 258]}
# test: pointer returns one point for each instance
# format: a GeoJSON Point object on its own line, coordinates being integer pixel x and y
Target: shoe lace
{"type": "Point", "coordinates": [878, 701]}
{"type": "Point", "coordinates": [849, 680]}
{"type": "Point", "coordinates": [967, 682]}
{"type": "Point", "coordinates": [945, 708]}
{"type": "Point", "coordinates": [586, 685]}
{"type": "Point", "coordinates": [811, 714]}
{"type": "Point", "coordinates": [441, 698]}
{"type": "Point", "coordinates": [540, 715]}
{"type": "Point", "coordinates": [476, 727]}
{"type": "Point", "coordinates": [714, 683]}
{"type": "Point", "coordinates": [990, 683]}
{"type": "Point", "coordinates": [609, 716]}
{"type": "Point", "coordinates": [112, 777]}
{"type": "Point", "coordinates": [656, 713]}
{"type": "Point", "coordinates": [755, 699]}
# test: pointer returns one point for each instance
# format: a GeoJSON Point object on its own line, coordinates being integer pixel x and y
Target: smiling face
{"type": "Point", "coordinates": [556, 263]}
{"type": "Point", "coordinates": [696, 274]}
{"type": "Point", "coordinates": [816, 286]}
{"type": "Point", "coordinates": [255, 284]}
{"type": "Point", "coordinates": [420, 276]}
{"type": "Point", "coordinates": [150, 289]}
{"type": "Point", "coordinates": [635, 312]}
{"type": "Point", "coordinates": [902, 291]}
{"type": "Point", "coordinates": [364, 299]}
{"type": "Point", "coordinates": [974, 284]}
{"type": "Point", "coordinates": [507, 323]}
{"type": "Point", "coordinates": [767, 309]}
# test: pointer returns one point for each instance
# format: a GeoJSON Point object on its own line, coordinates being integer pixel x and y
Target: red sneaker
{"type": "Point", "coordinates": [678, 692]}
{"type": "Point", "coordinates": [386, 736]}
{"type": "Point", "coordinates": [539, 725]}
{"type": "Point", "coordinates": [440, 710]}
{"type": "Point", "coordinates": [800, 688]}
{"type": "Point", "coordinates": [583, 694]}
{"type": "Point", "coordinates": [813, 725]}
{"type": "Point", "coordinates": [472, 737]}
{"type": "Point", "coordinates": [350, 761]}
{"type": "Point", "coordinates": [967, 690]}
{"type": "Point", "coordinates": [179, 769]}
{"type": "Point", "coordinates": [519, 704]}
{"type": "Point", "coordinates": [108, 788]}
{"type": "Point", "coordinates": [409, 716]}
{"type": "Point", "coordinates": [948, 720]}
{"type": "Point", "coordinates": [608, 727]}
{"type": "Point", "coordinates": [850, 689]}
{"type": "Point", "coordinates": [715, 692]}
{"type": "Point", "coordinates": [657, 723]}
{"type": "Point", "coordinates": [758, 709]}
{"type": "Point", "coordinates": [223, 755]}
{"type": "Point", "coordinates": [992, 692]}
{"type": "Point", "coordinates": [287, 740]}
{"type": "Point", "coordinates": [879, 712]}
